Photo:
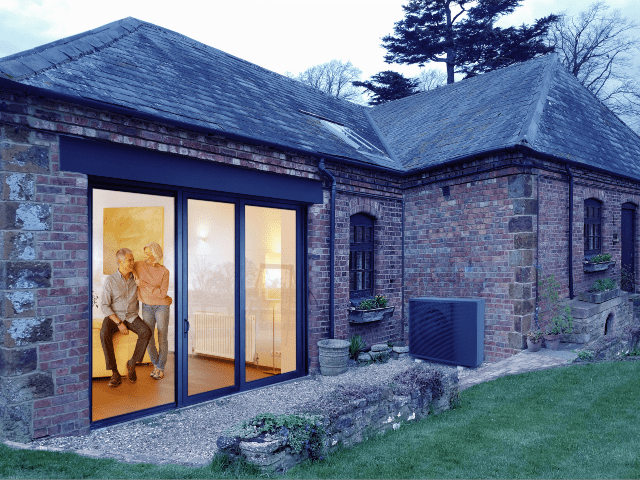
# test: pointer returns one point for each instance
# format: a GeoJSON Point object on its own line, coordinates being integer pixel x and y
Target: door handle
{"type": "Point", "coordinates": [186, 326]}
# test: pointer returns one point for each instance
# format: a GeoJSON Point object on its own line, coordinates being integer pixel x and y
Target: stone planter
{"type": "Point", "coordinates": [552, 342]}
{"type": "Point", "coordinates": [599, 297]}
{"type": "Point", "coordinates": [374, 315]}
{"type": "Point", "coordinates": [534, 346]}
{"type": "Point", "coordinates": [598, 267]}
{"type": "Point", "coordinates": [333, 356]}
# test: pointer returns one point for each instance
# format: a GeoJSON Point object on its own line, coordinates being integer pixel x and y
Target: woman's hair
{"type": "Point", "coordinates": [156, 250]}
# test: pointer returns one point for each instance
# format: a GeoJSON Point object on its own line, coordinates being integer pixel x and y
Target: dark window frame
{"type": "Point", "coordinates": [592, 227]}
{"type": "Point", "coordinates": [361, 256]}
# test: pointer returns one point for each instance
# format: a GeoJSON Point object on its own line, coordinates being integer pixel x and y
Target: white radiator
{"type": "Point", "coordinates": [214, 334]}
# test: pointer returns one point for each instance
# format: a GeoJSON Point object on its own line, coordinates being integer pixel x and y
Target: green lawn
{"type": "Point", "coordinates": [581, 421]}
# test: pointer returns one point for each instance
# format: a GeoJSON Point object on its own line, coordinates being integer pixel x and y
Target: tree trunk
{"type": "Point", "coordinates": [451, 54]}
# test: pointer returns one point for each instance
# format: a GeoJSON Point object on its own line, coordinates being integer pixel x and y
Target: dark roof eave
{"type": "Point", "coordinates": [30, 89]}
{"type": "Point", "coordinates": [33, 90]}
{"type": "Point", "coordinates": [517, 148]}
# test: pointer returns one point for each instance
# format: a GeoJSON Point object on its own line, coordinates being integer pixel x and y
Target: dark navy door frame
{"type": "Point", "coordinates": [181, 196]}
{"type": "Point", "coordinates": [628, 244]}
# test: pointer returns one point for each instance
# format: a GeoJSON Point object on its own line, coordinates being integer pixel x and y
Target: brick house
{"type": "Point", "coordinates": [275, 206]}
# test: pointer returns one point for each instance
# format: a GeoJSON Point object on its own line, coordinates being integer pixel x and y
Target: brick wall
{"type": "Point", "coordinates": [476, 240]}
{"type": "Point", "coordinates": [554, 216]}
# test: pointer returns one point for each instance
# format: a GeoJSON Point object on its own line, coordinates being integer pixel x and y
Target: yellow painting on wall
{"type": "Point", "coordinates": [130, 227]}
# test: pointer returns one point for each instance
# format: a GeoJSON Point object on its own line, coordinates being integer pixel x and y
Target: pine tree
{"type": "Point", "coordinates": [388, 85]}
{"type": "Point", "coordinates": [462, 34]}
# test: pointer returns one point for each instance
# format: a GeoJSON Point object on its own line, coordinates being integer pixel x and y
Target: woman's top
{"type": "Point", "coordinates": [153, 284]}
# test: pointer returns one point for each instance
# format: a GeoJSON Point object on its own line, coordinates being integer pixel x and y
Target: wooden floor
{"type": "Point", "coordinates": [205, 374]}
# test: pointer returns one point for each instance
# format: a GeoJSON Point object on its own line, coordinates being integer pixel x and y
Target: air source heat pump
{"type": "Point", "coordinates": [447, 330]}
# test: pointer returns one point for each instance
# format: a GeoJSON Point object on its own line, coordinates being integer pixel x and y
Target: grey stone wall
{"type": "Point", "coordinates": [376, 413]}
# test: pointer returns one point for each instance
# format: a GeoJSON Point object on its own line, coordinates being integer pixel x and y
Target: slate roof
{"type": "Point", "coordinates": [154, 71]}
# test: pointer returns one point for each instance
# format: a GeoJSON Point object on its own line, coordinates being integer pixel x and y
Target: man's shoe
{"type": "Point", "coordinates": [131, 372]}
{"type": "Point", "coordinates": [116, 380]}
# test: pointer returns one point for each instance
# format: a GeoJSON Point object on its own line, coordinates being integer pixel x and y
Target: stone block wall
{"type": "Point", "coordinates": [44, 369]}
{"type": "Point", "coordinates": [593, 321]}
{"type": "Point", "coordinates": [377, 413]}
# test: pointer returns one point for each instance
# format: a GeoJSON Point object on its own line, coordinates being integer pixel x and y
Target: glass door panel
{"type": "Point", "coordinates": [270, 291]}
{"type": "Point", "coordinates": [211, 295]}
{"type": "Point", "coordinates": [133, 221]}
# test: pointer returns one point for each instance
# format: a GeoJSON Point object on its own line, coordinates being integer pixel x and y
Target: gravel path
{"type": "Point", "coordinates": [188, 436]}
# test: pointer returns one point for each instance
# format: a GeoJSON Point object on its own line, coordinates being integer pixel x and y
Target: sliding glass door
{"type": "Point", "coordinates": [233, 287]}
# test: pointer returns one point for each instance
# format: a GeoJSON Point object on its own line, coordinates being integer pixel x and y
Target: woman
{"type": "Point", "coordinates": [153, 283]}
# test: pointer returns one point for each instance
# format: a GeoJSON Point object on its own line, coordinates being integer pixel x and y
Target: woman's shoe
{"type": "Point", "coordinates": [159, 374]}
{"type": "Point", "coordinates": [154, 372]}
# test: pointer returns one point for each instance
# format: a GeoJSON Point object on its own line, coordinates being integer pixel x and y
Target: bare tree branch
{"type": "Point", "coordinates": [431, 78]}
{"type": "Point", "coordinates": [333, 78]}
{"type": "Point", "coordinates": [598, 47]}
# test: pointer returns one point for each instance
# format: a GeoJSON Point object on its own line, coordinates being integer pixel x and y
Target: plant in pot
{"type": "Point", "coordinates": [534, 340]}
{"type": "Point", "coordinates": [602, 290]}
{"type": "Point", "coordinates": [598, 263]}
{"type": "Point", "coordinates": [556, 319]}
{"type": "Point", "coordinates": [370, 310]}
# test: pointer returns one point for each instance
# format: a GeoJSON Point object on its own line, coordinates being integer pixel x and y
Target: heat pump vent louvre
{"type": "Point", "coordinates": [447, 330]}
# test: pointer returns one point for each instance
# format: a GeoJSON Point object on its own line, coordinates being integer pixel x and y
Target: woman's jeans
{"type": "Point", "coordinates": [160, 314]}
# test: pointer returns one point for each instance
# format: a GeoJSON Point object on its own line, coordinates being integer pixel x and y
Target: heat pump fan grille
{"type": "Point", "coordinates": [447, 330]}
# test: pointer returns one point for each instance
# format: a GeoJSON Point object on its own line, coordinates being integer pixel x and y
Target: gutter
{"type": "Point", "coordinates": [570, 259]}
{"type": "Point", "coordinates": [332, 242]}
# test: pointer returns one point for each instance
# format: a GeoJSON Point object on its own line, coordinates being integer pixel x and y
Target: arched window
{"type": "Point", "coordinates": [592, 227]}
{"type": "Point", "coordinates": [361, 256]}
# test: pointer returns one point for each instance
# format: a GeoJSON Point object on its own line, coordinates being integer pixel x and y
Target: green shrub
{"type": "Point", "coordinates": [301, 432]}
{"type": "Point", "coordinates": [356, 345]}
{"type": "Point", "coordinates": [600, 258]}
{"type": "Point", "coordinates": [604, 284]}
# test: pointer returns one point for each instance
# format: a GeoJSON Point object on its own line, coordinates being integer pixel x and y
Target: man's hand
{"type": "Point", "coordinates": [121, 326]}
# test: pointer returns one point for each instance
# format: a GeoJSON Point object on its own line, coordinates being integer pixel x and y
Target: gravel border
{"type": "Point", "coordinates": [187, 436]}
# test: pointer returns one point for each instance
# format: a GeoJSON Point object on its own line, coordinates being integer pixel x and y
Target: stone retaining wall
{"type": "Point", "coordinates": [374, 413]}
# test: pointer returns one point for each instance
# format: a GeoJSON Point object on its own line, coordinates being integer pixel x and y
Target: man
{"type": "Point", "coordinates": [120, 305]}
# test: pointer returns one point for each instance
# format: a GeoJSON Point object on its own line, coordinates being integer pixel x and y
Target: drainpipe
{"type": "Point", "coordinates": [332, 242]}
{"type": "Point", "coordinates": [570, 232]}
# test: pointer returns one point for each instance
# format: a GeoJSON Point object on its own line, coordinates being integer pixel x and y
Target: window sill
{"type": "Point", "coordinates": [357, 315]}
{"type": "Point", "coordinates": [598, 267]}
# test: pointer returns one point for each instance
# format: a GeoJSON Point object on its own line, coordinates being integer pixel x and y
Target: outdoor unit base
{"type": "Point", "coordinates": [447, 330]}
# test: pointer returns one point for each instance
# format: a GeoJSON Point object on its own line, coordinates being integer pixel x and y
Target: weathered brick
{"type": "Point", "coordinates": [18, 186]}
{"type": "Point", "coordinates": [525, 274]}
{"type": "Point", "coordinates": [17, 245]}
{"type": "Point", "coordinates": [15, 133]}
{"type": "Point", "coordinates": [27, 387]}
{"type": "Point", "coordinates": [28, 274]}
{"type": "Point", "coordinates": [523, 307]}
{"type": "Point", "coordinates": [15, 421]}
{"type": "Point", "coordinates": [517, 340]}
{"type": "Point", "coordinates": [20, 158]}
{"type": "Point", "coordinates": [520, 258]}
{"type": "Point", "coordinates": [525, 206]}
{"type": "Point", "coordinates": [524, 240]}
{"type": "Point", "coordinates": [17, 361]}
{"type": "Point", "coordinates": [18, 303]}
{"type": "Point", "coordinates": [25, 331]}
{"type": "Point", "coordinates": [520, 186]}
{"type": "Point", "coordinates": [521, 224]}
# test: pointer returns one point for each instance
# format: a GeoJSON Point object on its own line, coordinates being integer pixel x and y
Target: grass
{"type": "Point", "coordinates": [581, 421]}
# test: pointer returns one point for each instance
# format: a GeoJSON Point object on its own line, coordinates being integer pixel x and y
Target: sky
{"type": "Point", "coordinates": [280, 35]}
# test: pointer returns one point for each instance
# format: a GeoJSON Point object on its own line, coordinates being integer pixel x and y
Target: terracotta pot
{"type": "Point", "coordinates": [552, 342]}
{"type": "Point", "coordinates": [534, 346]}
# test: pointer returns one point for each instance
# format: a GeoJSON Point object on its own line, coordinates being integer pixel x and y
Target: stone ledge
{"type": "Point", "coordinates": [580, 309]}
{"type": "Point", "coordinates": [350, 421]}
